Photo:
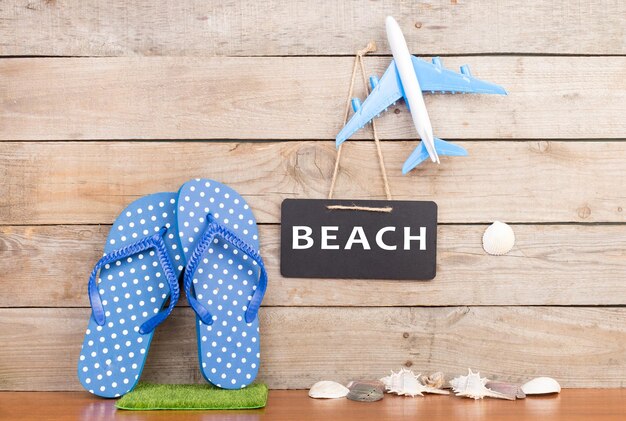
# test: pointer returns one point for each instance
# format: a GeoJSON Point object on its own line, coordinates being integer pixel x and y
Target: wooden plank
{"type": "Point", "coordinates": [283, 27]}
{"type": "Point", "coordinates": [297, 98]}
{"type": "Point", "coordinates": [287, 405]}
{"type": "Point", "coordinates": [550, 265]}
{"type": "Point", "coordinates": [580, 347]}
{"type": "Point", "coordinates": [91, 182]}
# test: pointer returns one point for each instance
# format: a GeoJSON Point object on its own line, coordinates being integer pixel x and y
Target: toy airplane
{"type": "Point", "coordinates": [407, 76]}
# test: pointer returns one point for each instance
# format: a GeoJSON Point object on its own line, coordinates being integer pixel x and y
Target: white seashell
{"type": "Point", "coordinates": [406, 383]}
{"type": "Point", "coordinates": [328, 390]}
{"type": "Point", "coordinates": [498, 238]}
{"type": "Point", "coordinates": [541, 386]}
{"type": "Point", "coordinates": [436, 380]}
{"type": "Point", "coordinates": [473, 386]}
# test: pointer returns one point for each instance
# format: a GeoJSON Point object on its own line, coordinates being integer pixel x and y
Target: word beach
{"type": "Point", "coordinates": [364, 239]}
{"type": "Point", "coordinates": [302, 238]}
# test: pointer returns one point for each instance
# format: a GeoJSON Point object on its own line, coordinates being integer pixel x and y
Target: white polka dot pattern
{"type": "Point", "coordinates": [224, 282]}
{"type": "Point", "coordinates": [132, 290]}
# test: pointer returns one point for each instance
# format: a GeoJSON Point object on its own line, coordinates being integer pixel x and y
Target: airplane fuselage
{"type": "Point", "coordinates": [411, 86]}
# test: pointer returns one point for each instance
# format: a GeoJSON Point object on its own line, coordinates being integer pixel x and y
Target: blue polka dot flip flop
{"type": "Point", "coordinates": [128, 290]}
{"type": "Point", "coordinates": [225, 280]}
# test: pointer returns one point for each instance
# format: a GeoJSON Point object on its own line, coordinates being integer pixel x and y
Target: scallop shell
{"type": "Point", "coordinates": [541, 386]}
{"type": "Point", "coordinates": [498, 238]}
{"type": "Point", "coordinates": [406, 383]}
{"type": "Point", "coordinates": [328, 390]}
{"type": "Point", "coordinates": [473, 386]}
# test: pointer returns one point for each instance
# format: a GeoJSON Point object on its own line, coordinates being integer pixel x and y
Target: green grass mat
{"type": "Point", "coordinates": [148, 396]}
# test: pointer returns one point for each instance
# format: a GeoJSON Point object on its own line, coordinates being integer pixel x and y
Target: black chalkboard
{"type": "Point", "coordinates": [318, 242]}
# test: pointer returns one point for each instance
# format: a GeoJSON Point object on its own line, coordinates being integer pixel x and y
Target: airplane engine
{"type": "Point", "coordinates": [373, 82]}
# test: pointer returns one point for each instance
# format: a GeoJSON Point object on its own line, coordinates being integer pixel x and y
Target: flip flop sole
{"type": "Point", "coordinates": [224, 282]}
{"type": "Point", "coordinates": [132, 290]}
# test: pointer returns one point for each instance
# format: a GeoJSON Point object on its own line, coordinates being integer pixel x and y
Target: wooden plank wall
{"type": "Point", "coordinates": [101, 103]}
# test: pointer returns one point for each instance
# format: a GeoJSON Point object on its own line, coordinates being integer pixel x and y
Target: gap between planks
{"type": "Point", "coordinates": [382, 55]}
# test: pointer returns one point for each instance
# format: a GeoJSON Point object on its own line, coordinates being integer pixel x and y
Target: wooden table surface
{"type": "Point", "coordinates": [571, 404]}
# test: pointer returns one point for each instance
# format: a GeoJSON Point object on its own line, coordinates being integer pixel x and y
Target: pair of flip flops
{"type": "Point", "coordinates": [206, 234]}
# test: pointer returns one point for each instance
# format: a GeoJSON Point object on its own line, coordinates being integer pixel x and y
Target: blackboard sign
{"type": "Point", "coordinates": [332, 239]}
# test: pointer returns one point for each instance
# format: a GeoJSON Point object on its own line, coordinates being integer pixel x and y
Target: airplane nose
{"type": "Point", "coordinates": [391, 25]}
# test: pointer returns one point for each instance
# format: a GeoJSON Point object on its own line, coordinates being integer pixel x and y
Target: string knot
{"type": "Point", "coordinates": [370, 48]}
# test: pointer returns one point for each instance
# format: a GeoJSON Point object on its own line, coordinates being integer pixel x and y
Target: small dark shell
{"type": "Point", "coordinates": [366, 391]}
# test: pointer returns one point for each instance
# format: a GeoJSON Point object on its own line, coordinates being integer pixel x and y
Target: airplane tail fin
{"type": "Point", "coordinates": [449, 148]}
{"type": "Point", "coordinates": [420, 153]}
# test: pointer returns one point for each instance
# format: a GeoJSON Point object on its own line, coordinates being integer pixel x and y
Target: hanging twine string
{"type": "Point", "coordinates": [376, 139]}
{"type": "Point", "coordinates": [385, 209]}
{"type": "Point", "coordinates": [371, 47]}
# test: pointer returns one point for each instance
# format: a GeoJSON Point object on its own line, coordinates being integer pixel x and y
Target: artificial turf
{"type": "Point", "coordinates": [148, 396]}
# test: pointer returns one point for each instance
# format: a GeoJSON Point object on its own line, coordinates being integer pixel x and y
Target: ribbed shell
{"type": "Point", "coordinates": [328, 390]}
{"type": "Point", "coordinates": [541, 386]}
{"type": "Point", "coordinates": [498, 238]}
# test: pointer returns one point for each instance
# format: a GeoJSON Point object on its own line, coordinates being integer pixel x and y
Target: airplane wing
{"type": "Point", "coordinates": [435, 78]}
{"type": "Point", "coordinates": [432, 77]}
{"type": "Point", "coordinates": [388, 91]}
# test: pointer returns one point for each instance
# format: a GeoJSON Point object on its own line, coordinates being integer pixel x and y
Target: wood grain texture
{"type": "Point", "coordinates": [283, 27]}
{"type": "Point", "coordinates": [550, 265]}
{"type": "Point", "coordinates": [297, 98]}
{"type": "Point", "coordinates": [289, 405]}
{"type": "Point", "coordinates": [300, 346]}
{"type": "Point", "coordinates": [92, 182]}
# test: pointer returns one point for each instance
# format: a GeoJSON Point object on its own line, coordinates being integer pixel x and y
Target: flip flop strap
{"type": "Point", "coordinates": [155, 241]}
{"type": "Point", "coordinates": [215, 229]}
